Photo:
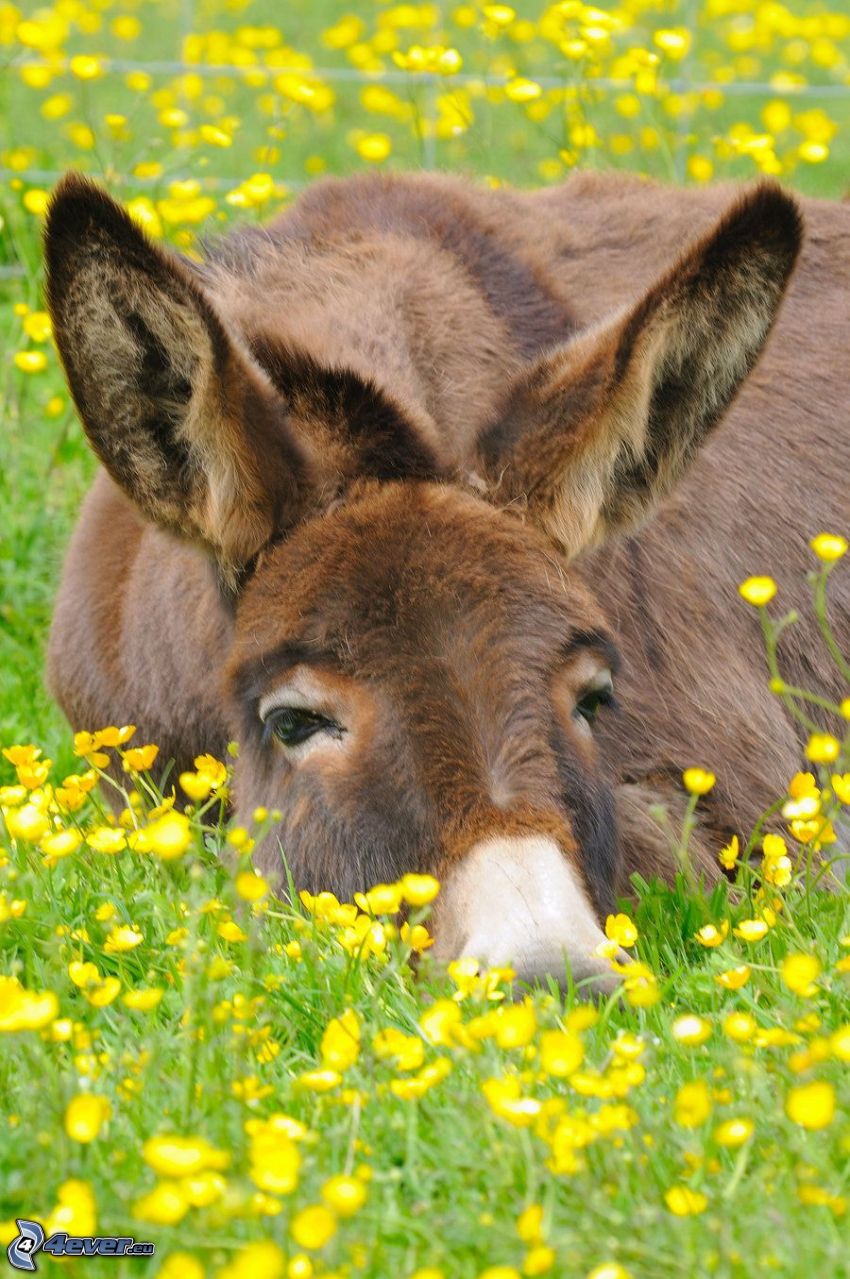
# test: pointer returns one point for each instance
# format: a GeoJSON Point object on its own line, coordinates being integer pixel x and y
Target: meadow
{"type": "Point", "coordinates": [290, 1091]}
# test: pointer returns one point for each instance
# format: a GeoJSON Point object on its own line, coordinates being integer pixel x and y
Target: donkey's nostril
{"type": "Point", "coordinates": [518, 901]}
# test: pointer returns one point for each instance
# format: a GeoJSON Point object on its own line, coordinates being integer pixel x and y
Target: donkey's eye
{"type": "Point", "coordinates": [293, 725]}
{"type": "Point", "coordinates": [601, 694]}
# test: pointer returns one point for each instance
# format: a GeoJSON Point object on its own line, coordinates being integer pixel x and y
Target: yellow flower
{"type": "Point", "coordinates": [229, 930]}
{"type": "Point", "coordinates": [739, 1027]}
{"type": "Point", "coordinates": [407, 1050]}
{"type": "Point", "coordinates": [426, 1079]}
{"type": "Point", "coordinates": [539, 1260]}
{"type": "Point", "coordinates": [173, 1156]}
{"type": "Point", "coordinates": [529, 1224]}
{"type": "Point", "coordinates": [251, 886]}
{"type": "Point", "coordinates": [215, 136]}
{"type": "Point", "coordinates": [811, 1105]}
{"type": "Point", "coordinates": [142, 999]}
{"type": "Point", "coordinates": [417, 938]}
{"type": "Point", "coordinates": [138, 759]}
{"type": "Point", "coordinates": [13, 909]}
{"type": "Point", "coordinates": [522, 90]}
{"type": "Point", "coordinates": [32, 776]}
{"type": "Point", "coordinates": [22, 1009]}
{"type": "Point", "coordinates": [640, 986]}
{"type": "Point", "coordinates": [261, 1261]}
{"type": "Point", "coordinates": [83, 975]}
{"type": "Point", "coordinates": [122, 938]}
{"type": "Point", "coordinates": [751, 930]}
{"type": "Point", "coordinates": [168, 837]}
{"type": "Point", "coordinates": [373, 147]}
{"type": "Point", "coordinates": [691, 1030]}
{"type": "Point", "coordinates": [561, 1053]}
{"type": "Point", "coordinates": [320, 1080]}
{"type": "Point", "coordinates": [344, 1195]}
{"type": "Point", "coordinates": [502, 15]}
{"type": "Point", "coordinates": [439, 1022]}
{"type": "Point", "coordinates": [628, 1046]}
{"type": "Point", "coordinates": [60, 844]}
{"type": "Point", "coordinates": [516, 1025]}
{"type": "Point", "coordinates": [799, 973]}
{"type": "Point", "coordinates": [196, 786]}
{"type": "Point", "coordinates": [734, 978]}
{"type": "Point", "coordinates": [841, 787]}
{"type": "Point", "coordinates": [30, 361]}
{"type": "Point", "coordinates": [698, 781]}
{"type": "Point", "coordinates": [758, 590]}
{"type": "Point", "coordinates": [499, 1272]}
{"type": "Point", "coordinates": [419, 890]}
{"type": "Point", "coordinates": [674, 41]}
{"type": "Point", "coordinates": [383, 899]}
{"type": "Point", "coordinates": [684, 1202]}
{"type": "Point", "coordinates": [37, 323]}
{"type": "Point", "coordinates": [313, 1227]}
{"type": "Point", "coordinates": [106, 839]}
{"type": "Point", "coordinates": [693, 1104]}
{"type": "Point", "coordinates": [777, 871]}
{"type": "Point", "coordinates": [36, 202]}
{"type": "Point", "coordinates": [85, 1115]}
{"type": "Point", "coordinates": [809, 1194]}
{"type": "Point", "coordinates": [275, 1158]}
{"type": "Point", "coordinates": [143, 211]}
{"type": "Point", "coordinates": [75, 1209]}
{"type": "Point", "coordinates": [22, 756]}
{"type": "Point", "coordinates": [85, 67]}
{"type": "Point", "coordinates": [621, 929]}
{"type": "Point", "coordinates": [165, 1205]}
{"type": "Point", "coordinates": [28, 823]}
{"type": "Point", "coordinates": [710, 935]}
{"type": "Point", "coordinates": [829, 546]}
{"type": "Point", "coordinates": [823, 748]}
{"type": "Point", "coordinates": [505, 1100]}
{"type": "Point", "coordinates": [839, 1043]}
{"type": "Point", "coordinates": [181, 1265]}
{"type": "Point", "coordinates": [609, 1270]}
{"type": "Point", "coordinates": [340, 1046]}
{"type": "Point", "coordinates": [102, 993]}
{"type": "Point", "coordinates": [774, 847]}
{"type": "Point", "coordinates": [734, 1132]}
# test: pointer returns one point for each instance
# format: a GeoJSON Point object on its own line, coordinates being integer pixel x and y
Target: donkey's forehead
{"type": "Point", "coordinates": [414, 566]}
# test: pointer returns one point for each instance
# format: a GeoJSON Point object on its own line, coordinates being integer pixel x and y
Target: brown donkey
{"type": "Point", "coordinates": [399, 488]}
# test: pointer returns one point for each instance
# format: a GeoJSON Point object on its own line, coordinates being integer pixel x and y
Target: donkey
{"type": "Point", "coordinates": [397, 488]}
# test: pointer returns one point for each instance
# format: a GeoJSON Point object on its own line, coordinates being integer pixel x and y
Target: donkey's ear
{"type": "Point", "coordinates": [175, 407]}
{"type": "Point", "coordinates": [600, 429]}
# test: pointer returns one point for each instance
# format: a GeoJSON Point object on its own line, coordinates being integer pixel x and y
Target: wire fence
{"type": "Point", "coordinates": [686, 82]}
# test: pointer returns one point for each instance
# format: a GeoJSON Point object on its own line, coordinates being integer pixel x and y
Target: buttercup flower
{"type": "Point", "coordinates": [758, 590]}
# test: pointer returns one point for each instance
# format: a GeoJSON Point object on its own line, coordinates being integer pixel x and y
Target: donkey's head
{"type": "Point", "coordinates": [416, 666]}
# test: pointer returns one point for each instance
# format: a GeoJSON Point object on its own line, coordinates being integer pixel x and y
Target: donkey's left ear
{"type": "Point", "coordinates": [600, 429]}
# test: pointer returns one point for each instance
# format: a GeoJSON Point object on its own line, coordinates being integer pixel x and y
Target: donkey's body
{"type": "Point", "coordinates": [441, 294]}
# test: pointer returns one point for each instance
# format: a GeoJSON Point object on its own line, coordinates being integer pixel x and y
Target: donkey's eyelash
{"type": "Point", "coordinates": [293, 725]}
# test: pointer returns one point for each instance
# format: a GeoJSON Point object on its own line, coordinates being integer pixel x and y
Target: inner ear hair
{"type": "Point", "coordinates": [599, 430]}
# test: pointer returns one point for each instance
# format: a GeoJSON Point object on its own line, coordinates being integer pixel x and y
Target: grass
{"type": "Point", "coordinates": [581, 1139]}
{"type": "Point", "coordinates": [610, 1119]}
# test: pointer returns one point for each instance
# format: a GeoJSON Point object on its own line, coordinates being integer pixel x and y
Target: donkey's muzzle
{"type": "Point", "coordinates": [517, 901]}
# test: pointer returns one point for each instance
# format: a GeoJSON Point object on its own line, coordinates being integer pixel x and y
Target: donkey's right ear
{"type": "Point", "coordinates": [175, 407]}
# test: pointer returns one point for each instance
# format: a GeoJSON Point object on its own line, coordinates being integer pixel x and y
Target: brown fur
{"type": "Point", "coordinates": [360, 413]}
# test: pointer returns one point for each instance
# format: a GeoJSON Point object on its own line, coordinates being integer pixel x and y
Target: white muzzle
{"type": "Point", "coordinates": [517, 901]}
